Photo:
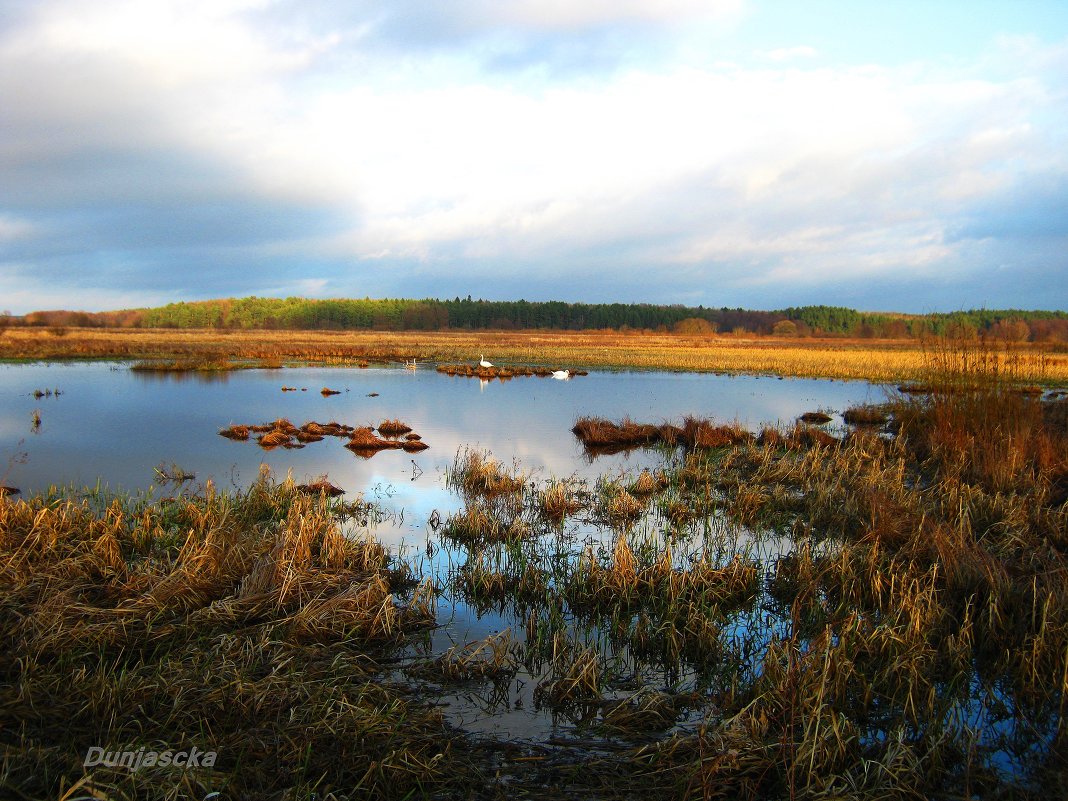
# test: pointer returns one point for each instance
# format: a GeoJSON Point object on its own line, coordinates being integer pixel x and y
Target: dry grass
{"type": "Point", "coordinates": [476, 473]}
{"type": "Point", "coordinates": [837, 358]}
{"type": "Point", "coordinates": [492, 658]}
{"type": "Point", "coordinates": [199, 622]}
{"type": "Point", "coordinates": [393, 428]}
{"type": "Point", "coordinates": [558, 501]}
{"type": "Point", "coordinates": [903, 635]}
{"type": "Point", "coordinates": [868, 415]}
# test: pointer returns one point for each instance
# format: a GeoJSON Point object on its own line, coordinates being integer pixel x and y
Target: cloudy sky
{"type": "Point", "coordinates": [757, 153]}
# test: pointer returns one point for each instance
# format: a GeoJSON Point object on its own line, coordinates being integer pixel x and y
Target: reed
{"type": "Point", "coordinates": [476, 473]}
{"type": "Point", "coordinates": [883, 361]}
{"type": "Point", "coordinates": [204, 629]}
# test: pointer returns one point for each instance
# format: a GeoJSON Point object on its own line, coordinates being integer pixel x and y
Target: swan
{"type": "Point", "coordinates": [563, 375]}
{"type": "Point", "coordinates": [482, 361]}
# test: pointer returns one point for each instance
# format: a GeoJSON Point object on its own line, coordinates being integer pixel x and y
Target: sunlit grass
{"type": "Point", "coordinates": [831, 358]}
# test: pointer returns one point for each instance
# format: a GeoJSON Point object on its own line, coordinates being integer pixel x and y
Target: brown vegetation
{"type": "Point", "coordinates": [880, 360]}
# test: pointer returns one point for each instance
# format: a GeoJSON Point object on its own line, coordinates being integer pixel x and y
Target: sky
{"type": "Point", "coordinates": [908, 156]}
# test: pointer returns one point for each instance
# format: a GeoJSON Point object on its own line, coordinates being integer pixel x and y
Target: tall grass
{"type": "Point", "coordinates": [522, 350]}
{"type": "Point", "coordinates": [243, 624]}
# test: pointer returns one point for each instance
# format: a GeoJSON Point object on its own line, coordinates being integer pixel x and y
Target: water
{"type": "Point", "coordinates": [114, 426]}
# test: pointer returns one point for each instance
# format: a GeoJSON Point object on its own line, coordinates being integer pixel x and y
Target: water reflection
{"type": "Point", "coordinates": [117, 425]}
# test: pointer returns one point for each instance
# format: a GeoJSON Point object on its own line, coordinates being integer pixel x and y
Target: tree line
{"type": "Point", "coordinates": [431, 314]}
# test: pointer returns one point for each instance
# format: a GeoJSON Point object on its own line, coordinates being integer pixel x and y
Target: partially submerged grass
{"type": "Point", "coordinates": [243, 624]}
{"type": "Point", "coordinates": [492, 658]}
{"type": "Point", "coordinates": [393, 428]}
{"type": "Point", "coordinates": [867, 415]}
{"type": "Point", "coordinates": [361, 441]}
{"type": "Point", "coordinates": [476, 473]}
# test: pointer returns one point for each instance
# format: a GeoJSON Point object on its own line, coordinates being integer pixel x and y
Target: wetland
{"type": "Point", "coordinates": [620, 583]}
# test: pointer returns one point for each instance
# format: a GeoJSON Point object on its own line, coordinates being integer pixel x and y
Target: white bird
{"type": "Point", "coordinates": [482, 361]}
{"type": "Point", "coordinates": [562, 375]}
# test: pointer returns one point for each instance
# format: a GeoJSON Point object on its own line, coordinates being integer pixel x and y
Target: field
{"type": "Point", "coordinates": [874, 360]}
{"type": "Point", "coordinates": [775, 614]}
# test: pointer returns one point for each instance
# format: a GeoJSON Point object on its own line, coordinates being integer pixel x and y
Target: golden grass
{"type": "Point", "coordinates": [877, 360]}
{"type": "Point", "coordinates": [243, 624]}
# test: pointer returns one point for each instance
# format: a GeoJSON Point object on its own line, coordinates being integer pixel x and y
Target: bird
{"type": "Point", "coordinates": [563, 375]}
{"type": "Point", "coordinates": [482, 361]}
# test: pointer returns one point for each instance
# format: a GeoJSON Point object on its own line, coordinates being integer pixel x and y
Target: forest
{"type": "Point", "coordinates": [430, 314]}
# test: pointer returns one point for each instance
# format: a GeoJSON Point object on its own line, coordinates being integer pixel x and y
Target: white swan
{"type": "Point", "coordinates": [562, 375]}
{"type": "Point", "coordinates": [482, 361]}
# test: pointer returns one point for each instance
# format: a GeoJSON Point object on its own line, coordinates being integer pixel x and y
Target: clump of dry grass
{"type": "Point", "coordinates": [575, 680]}
{"type": "Point", "coordinates": [598, 434]}
{"type": "Point", "coordinates": [699, 433]}
{"type": "Point", "coordinates": [646, 711]}
{"type": "Point", "coordinates": [866, 415]}
{"type": "Point", "coordinates": [237, 432]}
{"type": "Point", "coordinates": [364, 439]}
{"type": "Point", "coordinates": [617, 506]}
{"type": "Point", "coordinates": [558, 501]}
{"type": "Point", "coordinates": [492, 658]}
{"type": "Point", "coordinates": [475, 473]}
{"type": "Point", "coordinates": [273, 439]}
{"type": "Point", "coordinates": [321, 485]}
{"type": "Point", "coordinates": [648, 483]}
{"type": "Point", "coordinates": [393, 428]}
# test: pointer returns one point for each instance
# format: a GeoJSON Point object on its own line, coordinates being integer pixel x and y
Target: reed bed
{"type": "Point", "coordinates": [246, 625]}
{"type": "Point", "coordinates": [599, 435]}
{"type": "Point", "coordinates": [889, 361]}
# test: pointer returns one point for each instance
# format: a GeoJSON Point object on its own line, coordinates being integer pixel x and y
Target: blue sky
{"type": "Point", "coordinates": [909, 156]}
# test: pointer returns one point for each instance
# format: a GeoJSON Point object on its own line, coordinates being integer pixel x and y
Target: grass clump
{"type": "Point", "coordinates": [558, 500]}
{"type": "Point", "coordinates": [393, 428]}
{"type": "Point", "coordinates": [476, 473]}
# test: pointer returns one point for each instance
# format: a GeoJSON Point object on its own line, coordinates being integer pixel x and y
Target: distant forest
{"type": "Point", "coordinates": [465, 313]}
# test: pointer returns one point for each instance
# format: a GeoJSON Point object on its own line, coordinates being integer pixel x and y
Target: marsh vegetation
{"type": "Point", "coordinates": [876, 611]}
{"type": "Point", "coordinates": [213, 351]}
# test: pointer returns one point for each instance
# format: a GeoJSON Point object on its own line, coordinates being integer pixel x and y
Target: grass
{"type": "Point", "coordinates": [876, 360]}
{"type": "Point", "coordinates": [361, 441]}
{"type": "Point", "coordinates": [786, 615]}
{"type": "Point", "coordinates": [244, 624]}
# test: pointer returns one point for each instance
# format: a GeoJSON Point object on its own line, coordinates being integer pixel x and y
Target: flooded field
{"type": "Point", "coordinates": [727, 580]}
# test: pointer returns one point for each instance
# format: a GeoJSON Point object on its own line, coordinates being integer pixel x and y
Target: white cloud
{"type": "Point", "coordinates": [791, 168]}
{"type": "Point", "coordinates": [12, 228]}
{"type": "Point", "coordinates": [789, 53]}
{"type": "Point", "coordinates": [568, 14]}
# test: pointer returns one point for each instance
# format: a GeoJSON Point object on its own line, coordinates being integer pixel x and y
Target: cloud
{"type": "Point", "coordinates": [535, 149]}
{"type": "Point", "coordinates": [789, 53]}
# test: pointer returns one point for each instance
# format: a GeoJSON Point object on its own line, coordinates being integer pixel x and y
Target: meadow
{"type": "Point", "coordinates": [210, 349]}
{"type": "Point", "coordinates": [793, 612]}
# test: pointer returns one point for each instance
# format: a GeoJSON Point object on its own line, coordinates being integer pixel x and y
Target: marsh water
{"type": "Point", "coordinates": [112, 425]}
{"type": "Point", "coordinates": [104, 425]}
